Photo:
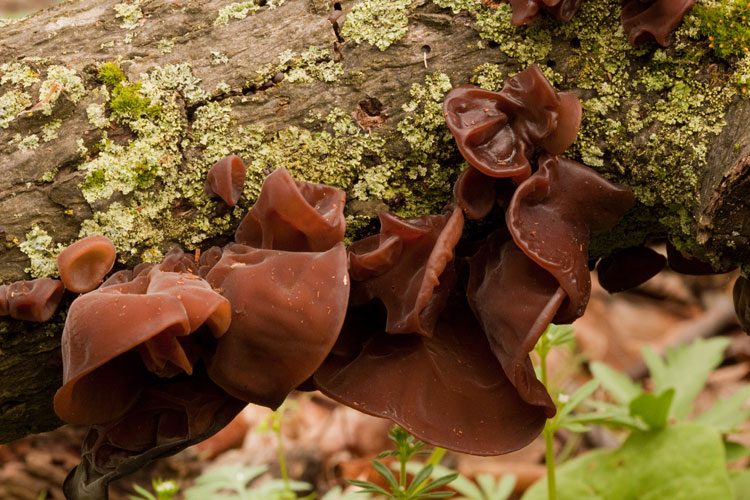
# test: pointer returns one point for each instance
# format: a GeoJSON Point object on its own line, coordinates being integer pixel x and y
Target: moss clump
{"type": "Point", "coordinates": [111, 74]}
{"type": "Point", "coordinates": [380, 22]}
{"type": "Point", "coordinates": [726, 25]}
{"type": "Point", "coordinates": [127, 101]}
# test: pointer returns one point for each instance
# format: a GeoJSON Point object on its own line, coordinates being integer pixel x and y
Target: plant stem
{"type": "Point", "coordinates": [280, 450]}
{"type": "Point", "coordinates": [436, 456]}
{"type": "Point", "coordinates": [549, 436]}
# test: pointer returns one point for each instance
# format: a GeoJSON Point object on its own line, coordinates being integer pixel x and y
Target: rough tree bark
{"type": "Point", "coordinates": [386, 146]}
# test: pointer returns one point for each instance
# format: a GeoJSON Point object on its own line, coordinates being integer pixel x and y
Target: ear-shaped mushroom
{"type": "Point", "coordinates": [34, 300]}
{"type": "Point", "coordinates": [526, 11]}
{"type": "Point", "coordinates": [447, 389]}
{"type": "Point", "coordinates": [287, 310]}
{"type": "Point", "coordinates": [629, 268]}
{"type": "Point", "coordinates": [401, 267]}
{"type": "Point", "coordinates": [208, 260]}
{"type": "Point", "coordinates": [176, 260]}
{"type": "Point", "coordinates": [84, 264]}
{"type": "Point", "coordinates": [497, 131]}
{"type": "Point", "coordinates": [514, 300]}
{"type": "Point", "coordinates": [551, 217]}
{"type": "Point", "coordinates": [645, 20]}
{"type": "Point", "coordinates": [685, 264]}
{"type": "Point", "coordinates": [168, 416]}
{"type": "Point", "coordinates": [295, 216]}
{"type": "Point", "coordinates": [741, 295]}
{"type": "Point", "coordinates": [477, 193]}
{"type": "Point", "coordinates": [226, 179]}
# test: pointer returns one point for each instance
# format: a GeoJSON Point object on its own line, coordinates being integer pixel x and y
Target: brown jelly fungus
{"type": "Point", "coordinates": [741, 295]}
{"type": "Point", "coordinates": [497, 131]}
{"type": "Point", "coordinates": [226, 179]}
{"type": "Point", "coordinates": [84, 264]}
{"type": "Point", "coordinates": [626, 269]}
{"type": "Point", "coordinates": [653, 20]}
{"type": "Point", "coordinates": [526, 11]}
{"type": "Point", "coordinates": [34, 300]}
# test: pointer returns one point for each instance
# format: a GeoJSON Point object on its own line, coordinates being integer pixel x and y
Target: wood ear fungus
{"type": "Point", "coordinates": [646, 20]}
{"type": "Point", "coordinates": [226, 179]}
{"type": "Point", "coordinates": [34, 300]}
{"type": "Point", "coordinates": [84, 264]}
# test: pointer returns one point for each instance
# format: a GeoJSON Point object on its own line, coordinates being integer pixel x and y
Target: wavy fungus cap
{"type": "Point", "coordinates": [34, 300]}
{"type": "Point", "coordinates": [401, 267]}
{"type": "Point", "coordinates": [294, 215]}
{"type": "Point", "coordinates": [626, 269]}
{"type": "Point", "coordinates": [84, 264]}
{"type": "Point", "coordinates": [287, 310]}
{"type": "Point", "coordinates": [645, 20]}
{"type": "Point", "coordinates": [226, 179]}
{"type": "Point", "coordinates": [741, 295]}
{"type": "Point", "coordinates": [108, 330]}
{"type": "Point", "coordinates": [447, 389]}
{"type": "Point", "coordinates": [526, 11]}
{"type": "Point", "coordinates": [551, 217]}
{"type": "Point", "coordinates": [497, 131]}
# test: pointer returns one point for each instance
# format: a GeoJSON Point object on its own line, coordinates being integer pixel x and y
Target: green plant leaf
{"type": "Point", "coordinates": [368, 487]}
{"type": "Point", "coordinates": [685, 369]}
{"type": "Point", "coordinates": [578, 397]}
{"type": "Point", "coordinates": [617, 384]}
{"type": "Point", "coordinates": [143, 492]}
{"type": "Point", "coordinates": [420, 477]}
{"type": "Point", "coordinates": [735, 451]}
{"type": "Point", "coordinates": [727, 413]}
{"type": "Point", "coordinates": [438, 483]}
{"type": "Point", "coordinates": [680, 462]}
{"type": "Point", "coordinates": [653, 410]}
{"type": "Point", "coordinates": [386, 473]}
{"type": "Point", "coordinates": [741, 484]}
{"type": "Point", "coordinates": [493, 489]}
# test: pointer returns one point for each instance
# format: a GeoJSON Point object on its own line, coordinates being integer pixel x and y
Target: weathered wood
{"type": "Point", "coordinates": [371, 85]}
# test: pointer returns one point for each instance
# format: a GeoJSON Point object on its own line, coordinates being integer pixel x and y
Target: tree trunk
{"type": "Point", "coordinates": [128, 159]}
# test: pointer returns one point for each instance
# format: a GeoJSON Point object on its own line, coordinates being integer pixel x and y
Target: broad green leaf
{"type": "Point", "coordinates": [735, 451]}
{"type": "Point", "coordinates": [653, 410]}
{"type": "Point", "coordinates": [680, 462]}
{"type": "Point", "coordinates": [741, 484]}
{"type": "Point", "coordinates": [618, 384]}
{"type": "Point", "coordinates": [727, 413]}
{"type": "Point", "coordinates": [685, 369]}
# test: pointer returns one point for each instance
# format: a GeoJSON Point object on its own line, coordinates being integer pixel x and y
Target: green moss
{"type": "Point", "coordinates": [128, 102]}
{"type": "Point", "coordinates": [726, 26]}
{"type": "Point", "coordinates": [42, 253]}
{"type": "Point", "coordinates": [111, 74]}
{"type": "Point", "coordinates": [379, 22]}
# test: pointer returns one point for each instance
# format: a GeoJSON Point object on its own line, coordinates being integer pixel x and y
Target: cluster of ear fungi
{"type": "Point", "coordinates": [423, 323]}
{"type": "Point", "coordinates": [643, 20]}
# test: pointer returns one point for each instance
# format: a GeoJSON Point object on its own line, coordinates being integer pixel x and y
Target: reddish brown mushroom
{"type": "Point", "coordinates": [226, 179]}
{"type": "Point", "coordinates": [551, 217]}
{"type": "Point", "coordinates": [626, 269]}
{"type": "Point", "coordinates": [401, 266]}
{"type": "Point", "coordinates": [477, 193]}
{"type": "Point", "coordinates": [294, 215]}
{"type": "Point", "coordinates": [447, 389]}
{"type": "Point", "coordinates": [84, 264]}
{"type": "Point", "coordinates": [686, 264]}
{"type": "Point", "coordinates": [34, 300]}
{"type": "Point", "coordinates": [741, 295]}
{"type": "Point", "coordinates": [497, 131]}
{"type": "Point", "coordinates": [645, 20]}
{"type": "Point", "coordinates": [526, 11]}
{"type": "Point", "coordinates": [287, 310]}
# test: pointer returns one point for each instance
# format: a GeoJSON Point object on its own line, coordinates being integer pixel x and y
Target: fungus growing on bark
{"type": "Point", "coordinates": [741, 295]}
{"type": "Point", "coordinates": [34, 300]}
{"type": "Point", "coordinates": [686, 264]}
{"type": "Point", "coordinates": [226, 179]}
{"type": "Point", "coordinates": [626, 269]}
{"type": "Point", "coordinates": [497, 131]}
{"type": "Point", "coordinates": [84, 264]}
{"type": "Point", "coordinates": [526, 11]}
{"type": "Point", "coordinates": [645, 20]}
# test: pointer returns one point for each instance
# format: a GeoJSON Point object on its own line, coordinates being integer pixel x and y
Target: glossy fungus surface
{"type": "Point", "coordinates": [741, 295]}
{"type": "Point", "coordinates": [226, 179]}
{"type": "Point", "coordinates": [115, 335]}
{"type": "Point", "coordinates": [647, 20]}
{"type": "Point", "coordinates": [401, 268]}
{"type": "Point", "coordinates": [294, 215]}
{"type": "Point", "coordinates": [626, 269]}
{"type": "Point", "coordinates": [686, 264]}
{"type": "Point", "coordinates": [497, 131]}
{"type": "Point", "coordinates": [447, 389]}
{"type": "Point", "coordinates": [34, 300]}
{"type": "Point", "coordinates": [551, 217]}
{"type": "Point", "coordinates": [287, 310]}
{"type": "Point", "coordinates": [84, 264]}
{"type": "Point", "coordinates": [526, 11]}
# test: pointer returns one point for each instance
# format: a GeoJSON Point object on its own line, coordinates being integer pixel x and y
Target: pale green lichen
{"type": "Point", "coordinates": [311, 65]}
{"type": "Point", "coordinates": [59, 79]}
{"type": "Point", "coordinates": [49, 130]}
{"type": "Point", "coordinates": [49, 176]}
{"type": "Point", "coordinates": [130, 13]}
{"type": "Point", "coordinates": [28, 143]}
{"type": "Point", "coordinates": [179, 78]}
{"type": "Point", "coordinates": [11, 104]}
{"type": "Point", "coordinates": [237, 10]}
{"type": "Point", "coordinates": [459, 5]}
{"type": "Point", "coordinates": [379, 22]}
{"type": "Point", "coordinates": [489, 76]}
{"type": "Point", "coordinates": [18, 74]}
{"type": "Point", "coordinates": [218, 58]}
{"type": "Point", "coordinates": [525, 44]}
{"type": "Point", "coordinates": [97, 115]}
{"type": "Point", "coordinates": [42, 253]}
{"type": "Point", "coordinates": [166, 46]}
